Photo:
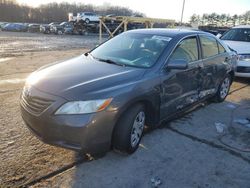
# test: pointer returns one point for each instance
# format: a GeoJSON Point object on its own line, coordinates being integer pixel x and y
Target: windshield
{"type": "Point", "coordinates": [242, 34]}
{"type": "Point", "coordinates": [132, 49]}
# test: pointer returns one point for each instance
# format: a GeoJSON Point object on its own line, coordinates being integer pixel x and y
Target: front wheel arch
{"type": "Point", "coordinates": [122, 132]}
{"type": "Point", "coordinates": [152, 113]}
{"type": "Point", "coordinates": [218, 98]}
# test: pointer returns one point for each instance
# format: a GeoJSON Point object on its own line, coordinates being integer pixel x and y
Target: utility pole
{"type": "Point", "coordinates": [183, 6]}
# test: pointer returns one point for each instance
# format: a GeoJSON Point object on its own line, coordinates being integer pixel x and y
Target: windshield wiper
{"type": "Point", "coordinates": [104, 60]}
{"type": "Point", "coordinates": [110, 61]}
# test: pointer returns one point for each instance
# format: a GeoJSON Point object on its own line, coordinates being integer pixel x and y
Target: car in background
{"type": "Point", "coordinates": [104, 98]}
{"type": "Point", "coordinates": [238, 39]}
{"type": "Point", "coordinates": [15, 27]}
{"type": "Point", "coordinates": [33, 28]}
{"type": "Point", "coordinates": [46, 28]}
{"type": "Point", "coordinates": [64, 27]}
{"type": "Point", "coordinates": [87, 17]}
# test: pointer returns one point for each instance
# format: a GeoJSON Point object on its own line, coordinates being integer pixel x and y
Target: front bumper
{"type": "Point", "coordinates": [243, 69]}
{"type": "Point", "coordinates": [90, 133]}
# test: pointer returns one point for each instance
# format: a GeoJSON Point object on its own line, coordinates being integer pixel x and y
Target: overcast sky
{"type": "Point", "coordinates": [170, 9]}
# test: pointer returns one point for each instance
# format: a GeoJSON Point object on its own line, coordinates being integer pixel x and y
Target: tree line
{"type": "Point", "coordinates": [11, 11]}
{"type": "Point", "coordinates": [221, 19]}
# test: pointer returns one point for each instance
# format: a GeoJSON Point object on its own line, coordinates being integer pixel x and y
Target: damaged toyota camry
{"type": "Point", "coordinates": [103, 99]}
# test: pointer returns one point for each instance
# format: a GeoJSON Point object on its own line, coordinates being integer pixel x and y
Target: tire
{"type": "Point", "coordinates": [87, 21]}
{"type": "Point", "coordinates": [59, 32]}
{"type": "Point", "coordinates": [223, 89]}
{"type": "Point", "coordinates": [128, 131]}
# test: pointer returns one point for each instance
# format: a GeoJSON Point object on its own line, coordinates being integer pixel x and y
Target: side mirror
{"type": "Point", "coordinates": [180, 64]}
{"type": "Point", "coordinates": [218, 35]}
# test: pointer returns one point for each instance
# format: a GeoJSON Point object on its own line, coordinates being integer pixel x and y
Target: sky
{"type": "Point", "coordinates": [167, 9]}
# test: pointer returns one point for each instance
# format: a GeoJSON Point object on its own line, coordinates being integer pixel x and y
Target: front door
{"type": "Point", "coordinates": [180, 88]}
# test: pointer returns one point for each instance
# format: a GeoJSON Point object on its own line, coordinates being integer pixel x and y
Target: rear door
{"type": "Point", "coordinates": [180, 87]}
{"type": "Point", "coordinates": [213, 57]}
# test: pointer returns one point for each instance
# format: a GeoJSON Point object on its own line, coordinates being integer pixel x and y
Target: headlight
{"type": "Point", "coordinates": [84, 107]}
{"type": "Point", "coordinates": [244, 57]}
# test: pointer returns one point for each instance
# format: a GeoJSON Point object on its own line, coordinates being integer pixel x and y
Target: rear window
{"type": "Point", "coordinates": [209, 46]}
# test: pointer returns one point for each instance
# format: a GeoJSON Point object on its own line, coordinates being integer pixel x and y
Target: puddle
{"type": "Point", "coordinates": [12, 81]}
{"type": "Point", "coordinates": [5, 59]}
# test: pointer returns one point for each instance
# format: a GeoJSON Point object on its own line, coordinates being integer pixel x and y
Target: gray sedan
{"type": "Point", "coordinates": [103, 99]}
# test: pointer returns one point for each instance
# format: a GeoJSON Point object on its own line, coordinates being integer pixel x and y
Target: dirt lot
{"type": "Point", "coordinates": [15, 44]}
{"type": "Point", "coordinates": [187, 152]}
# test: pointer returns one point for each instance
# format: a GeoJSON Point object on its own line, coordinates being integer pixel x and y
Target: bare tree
{"type": "Point", "coordinates": [222, 20]}
{"type": "Point", "coordinates": [13, 12]}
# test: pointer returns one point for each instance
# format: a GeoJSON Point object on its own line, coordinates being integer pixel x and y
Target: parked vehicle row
{"type": "Point", "coordinates": [54, 27]}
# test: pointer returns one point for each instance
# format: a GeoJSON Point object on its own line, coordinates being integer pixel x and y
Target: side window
{"type": "Point", "coordinates": [209, 46]}
{"type": "Point", "coordinates": [187, 50]}
{"type": "Point", "coordinates": [221, 48]}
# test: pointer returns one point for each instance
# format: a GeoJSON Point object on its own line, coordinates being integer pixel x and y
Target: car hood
{"type": "Point", "coordinates": [81, 77]}
{"type": "Point", "coordinates": [240, 47]}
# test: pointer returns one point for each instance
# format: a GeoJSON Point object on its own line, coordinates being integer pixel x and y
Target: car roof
{"type": "Point", "coordinates": [169, 32]}
{"type": "Point", "coordinates": [242, 27]}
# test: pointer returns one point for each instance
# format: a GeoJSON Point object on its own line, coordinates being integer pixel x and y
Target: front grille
{"type": "Point", "coordinates": [35, 105]}
{"type": "Point", "coordinates": [243, 69]}
{"type": "Point", "coordinates": [244, 56]}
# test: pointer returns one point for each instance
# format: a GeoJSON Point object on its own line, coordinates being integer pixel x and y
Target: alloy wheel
{"type": "Point", "coordinates": [224, 87]}
{"type": "Point", "coordinates": [137, 129]}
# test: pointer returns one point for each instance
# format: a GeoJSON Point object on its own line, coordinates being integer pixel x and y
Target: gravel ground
{"type": "Point", "coordinates": [19, 148]}
{"type": "Point", "coordinates": [15, 44]}
{"type": "Point", "coordinates": [187, 152]}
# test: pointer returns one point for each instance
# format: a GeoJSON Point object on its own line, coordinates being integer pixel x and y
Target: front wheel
{"type": "Point", "coordinates": [223, 89]}
{"type": "Point", "coordinates": [128, 132]}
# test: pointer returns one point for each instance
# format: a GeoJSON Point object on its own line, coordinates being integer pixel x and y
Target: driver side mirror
{"type": "Point", "coordinates": [180, 64]}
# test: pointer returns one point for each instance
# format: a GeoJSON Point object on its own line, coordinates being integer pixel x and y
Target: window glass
{"type": "Point", "coordinates": [221, 48]}
{"type": "Point", "coordinates": [132, 49]}
{"type": "Point", "coordinates": [209, 46]}
{"type": "Point", "coordinates": [186, 50]}
{"type": "Point", "coordinates": [239, 34]}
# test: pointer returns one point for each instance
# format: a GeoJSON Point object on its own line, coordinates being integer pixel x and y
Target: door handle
{"type": "Point", "coordinates": [227, 59]}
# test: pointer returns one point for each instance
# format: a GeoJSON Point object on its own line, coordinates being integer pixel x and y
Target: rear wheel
{"type": "Point", "coordinates": [223, 89]}
{"type": "Point", "coordinates": [128, 132]}
{"type": "Point", "coordinates": [59, 32]}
